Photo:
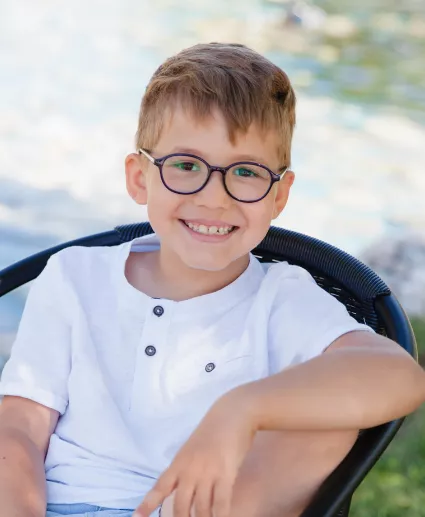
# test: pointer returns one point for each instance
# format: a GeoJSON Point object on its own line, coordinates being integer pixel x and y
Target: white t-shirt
{"type": "Point", "coordinates": [132, 376]}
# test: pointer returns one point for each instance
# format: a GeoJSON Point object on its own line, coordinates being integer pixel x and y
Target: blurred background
{"type": "Point", "coordinates": [71, 79]}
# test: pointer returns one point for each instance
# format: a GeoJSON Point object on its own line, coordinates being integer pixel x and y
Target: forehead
{"type": "Point", "coordinates": [210, 137]}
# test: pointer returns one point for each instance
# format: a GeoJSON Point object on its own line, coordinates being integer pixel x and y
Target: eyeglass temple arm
{"type": "Point", "coordinates": [147, 155]}
{"type": "Point", "coordinates": [282, 171]}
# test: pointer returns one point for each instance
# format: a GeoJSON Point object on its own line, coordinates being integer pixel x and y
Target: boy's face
{"type": "Point", "coordinates": [169, 213]}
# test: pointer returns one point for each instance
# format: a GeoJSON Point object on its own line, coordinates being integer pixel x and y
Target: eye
{"type": "Point", "coordinates": [244, 172]}
{"type": "Point", "coordinates": [187, 166]}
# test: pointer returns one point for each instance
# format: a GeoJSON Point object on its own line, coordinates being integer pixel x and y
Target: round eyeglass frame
{"type": "Point", "coordinates": [159, 162]}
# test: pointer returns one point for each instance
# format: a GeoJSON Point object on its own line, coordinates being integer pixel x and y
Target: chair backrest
{"type": "Point", "coordinates": [367, 298]}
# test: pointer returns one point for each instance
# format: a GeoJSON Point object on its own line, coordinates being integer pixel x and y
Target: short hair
{"type": "Point", "coordinates": [243, 85]}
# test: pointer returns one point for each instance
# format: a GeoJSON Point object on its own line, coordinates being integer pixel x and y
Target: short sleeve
{"type": "Point", "coordinates": [305, 320]}
{"type": "Point", "coordinates": [39, 364]}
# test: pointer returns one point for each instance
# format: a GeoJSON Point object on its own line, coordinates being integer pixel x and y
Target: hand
{"type": "Point", "coordinates": [204, 471]}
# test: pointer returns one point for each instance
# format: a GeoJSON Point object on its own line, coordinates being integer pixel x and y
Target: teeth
{"type": "Point", "coordinates": [209, 230]}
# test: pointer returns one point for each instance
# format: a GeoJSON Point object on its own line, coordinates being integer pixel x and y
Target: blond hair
{"type": "Point", "coordinates": [246, 87]}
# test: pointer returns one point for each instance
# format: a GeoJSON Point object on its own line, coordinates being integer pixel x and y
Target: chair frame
{"type": "Point", "coordinates": [372, 302]}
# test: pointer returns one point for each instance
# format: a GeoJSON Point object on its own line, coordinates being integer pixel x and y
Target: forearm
{"type": "Point", "coordinates": [349, 388]}
{"type": "Point", "coordinates": [22, 476]}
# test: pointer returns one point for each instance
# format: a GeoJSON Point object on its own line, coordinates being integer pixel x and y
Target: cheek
{"type": "Point", "coordinates": [162, 206]}
{"type": "Point", "coordinates": [258, 218]}
{"type": "Point", "coordinates": [260, 214]}
{"type": "Point", "coordinates": [157, 195]}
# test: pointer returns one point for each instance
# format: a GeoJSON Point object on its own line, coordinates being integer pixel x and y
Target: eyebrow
{"type": "Point", "coordinates": [238, 158]}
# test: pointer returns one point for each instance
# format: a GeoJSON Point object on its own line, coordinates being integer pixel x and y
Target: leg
{"type": "Point", "coordinates": [282, 472]}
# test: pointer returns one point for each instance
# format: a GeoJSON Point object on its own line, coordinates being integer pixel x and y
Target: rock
{"type": "Point", "coordinates": [400, 262]}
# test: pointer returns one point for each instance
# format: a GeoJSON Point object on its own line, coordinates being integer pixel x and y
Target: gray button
{"type": "Point", "coordinates": [158, 310]}
{"type": "Point", "coordinates": [210, 367]}
{"type": "Point", "coordinates": [150, 350]}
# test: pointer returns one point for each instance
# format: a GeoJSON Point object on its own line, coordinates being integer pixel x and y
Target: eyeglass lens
{"type": "Point", "coordinates": [245, 181]}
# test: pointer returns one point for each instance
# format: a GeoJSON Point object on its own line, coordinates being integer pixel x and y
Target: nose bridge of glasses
{"type": "Point", "coordinates": [212, 179]}
{"type": "Point", "coordinates": [213, 168]}
{"type": "Point", "coordinates": [214, 187]}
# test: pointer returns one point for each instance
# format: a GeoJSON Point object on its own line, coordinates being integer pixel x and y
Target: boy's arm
{"type": "Point", "coordinates": [25, 430]}
{"type": "Point", "coordinates": [361, 381]}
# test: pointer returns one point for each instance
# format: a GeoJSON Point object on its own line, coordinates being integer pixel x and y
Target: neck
{"type": "Point", "coordinates": [169, 278]}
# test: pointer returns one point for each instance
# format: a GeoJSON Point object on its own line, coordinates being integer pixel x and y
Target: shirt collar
{"type": "Point", "coordinates": [222, 300]}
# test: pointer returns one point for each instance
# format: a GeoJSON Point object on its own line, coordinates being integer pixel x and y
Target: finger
{"type": "Point", "coordinates": [183, 499]}
{"type": "Point", "coordinates": [162, 489]}
{"type": "Point", "coordinates": [222, 498]}
{"type": "Point", "coordinates": [202, 502]}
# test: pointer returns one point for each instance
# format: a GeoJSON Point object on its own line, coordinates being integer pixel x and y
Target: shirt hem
{"type": "Point", "coordinates": [326, 341]}
{"type": "Point", "coordinates": [36, 394]}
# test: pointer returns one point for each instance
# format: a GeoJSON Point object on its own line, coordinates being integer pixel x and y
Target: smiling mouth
{"type": "Point", "coordinates": [210, 230]}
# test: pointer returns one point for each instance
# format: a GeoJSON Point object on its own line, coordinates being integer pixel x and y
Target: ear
{"type": "Point", "coordinates": [282, 193]}
{"type": "Point", "coordinates": [136, 181]}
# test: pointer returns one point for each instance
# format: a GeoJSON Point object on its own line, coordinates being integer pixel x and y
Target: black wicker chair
{"type": "Point", "coordinates": [365, 295]}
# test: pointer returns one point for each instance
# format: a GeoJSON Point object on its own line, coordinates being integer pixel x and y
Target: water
{"type": "Point", "coordinates": [72, 75]}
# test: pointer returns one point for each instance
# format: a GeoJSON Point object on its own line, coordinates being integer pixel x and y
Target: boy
{"type": "Point", "coordinates": [176, 370]}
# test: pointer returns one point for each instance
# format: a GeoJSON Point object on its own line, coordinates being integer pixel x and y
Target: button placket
{"type": "Point", "coordinates": [150, 359]}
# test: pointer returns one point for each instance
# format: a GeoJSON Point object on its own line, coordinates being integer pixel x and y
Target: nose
{"type": "Point", "coordinates": [214, 194]}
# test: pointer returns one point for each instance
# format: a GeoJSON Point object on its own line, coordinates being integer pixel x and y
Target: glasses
{"type": "Point", "coordinates": [186, 174]}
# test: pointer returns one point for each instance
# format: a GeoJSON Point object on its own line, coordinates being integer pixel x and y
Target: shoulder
{"type": "Point", "coordinates": [77, 261]}
{"type": "Point", "coordinates": [286, 271]}
{"type": "Point", "coordinates": [295, 292]}
{"type": "Point", "coordinates": [304, 319]}
{"type": "Point", "coordinates": [86, 254]}
{"type": "Point", "coordinates": [283, 279]}
{"type": "Point", "coordinates": [290, 297]}
{"type": "Point", "coordinates": [76, 271]}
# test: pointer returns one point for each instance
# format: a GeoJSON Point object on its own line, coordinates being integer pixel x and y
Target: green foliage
{"type": "Point", "coordinates": [396, 485]}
